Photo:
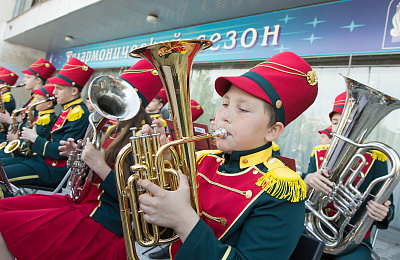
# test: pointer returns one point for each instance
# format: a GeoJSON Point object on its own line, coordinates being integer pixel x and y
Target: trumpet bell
{"type": "Point", "coordinates": [114, 98]}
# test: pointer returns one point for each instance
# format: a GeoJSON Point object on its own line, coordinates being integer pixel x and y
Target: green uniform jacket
{"type": "Point", "coordinates": [71, 123]}
{"type": "Point", "coordinates": [253, 208]}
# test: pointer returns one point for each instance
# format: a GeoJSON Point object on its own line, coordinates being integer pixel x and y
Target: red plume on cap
{"type": "Point", "coordinates": [74, 73]}
{"type": "Point", "coordinates": [338, 106]}
{"type": "Point", "coordinates": [197, 110]}
{"type": "Point", "coordinates": [8, 77]}
{"type": "Point", "coordinates": [327, 131]}
{"type": "Point", "coordinates": [162, 96]}
{"type": "Point", "coordinates": [144, 78]}
{"type": "Point", "coordinates": [285, 81]}
{"type": "Point", "coordinates": [41, 68]}
{"type": "Point", "coordinates": [47, 90]}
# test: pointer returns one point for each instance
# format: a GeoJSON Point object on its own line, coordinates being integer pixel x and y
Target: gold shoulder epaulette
{"type": "Point", "coordinates": [377, 155]}
{"type": "Point", "coordinates": [43, 120]}
{"type": "Point", "coordinates": [6, 97]}
{"type": "Point", "coordinates": [319, 147]}
{"type": "Point", "coordinates": [275, 147]}
{"type": "Point", "coordinates": [75, 114]}
{"type": "Point", "coordinates": [200, 155]}
{"type": "Point", "coordinates": [281, 182]}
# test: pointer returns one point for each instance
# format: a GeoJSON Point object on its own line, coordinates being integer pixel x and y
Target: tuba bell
{"type": "Point", "coordinates": [365, 107]}
{"type": "Point", "coordinates": [113, 99]}
{"type": "Point", "coordinates": [173, 61]}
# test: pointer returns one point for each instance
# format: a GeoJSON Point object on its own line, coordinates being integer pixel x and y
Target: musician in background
{"type": "Point", "coordinates": [252, 204]}
{"type": "Point", "coordinates": [56, 227]}
{"type": "Point", "coordinates": [43, 123]}
{"type": "Point", "coordinates": [48, 168]}
{"type": "Point", "coordinates": [35, 77]}
{"type": "Point", "coordinates": [7, 78]}
{"type": "Point", "coordinates": [376, 167]}
{"type": "Point", "coordinates": [155, 106]}
{"type": "Point", "coordinates": [325, 136]}
{"type": "Point", "coordinates": [197, 110]}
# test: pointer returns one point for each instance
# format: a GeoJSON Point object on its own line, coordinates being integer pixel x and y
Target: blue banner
{"type": "Point", "coordinates": [339, 28]}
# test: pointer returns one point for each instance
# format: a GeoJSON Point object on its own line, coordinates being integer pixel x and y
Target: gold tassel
{"type": "Point", "coordinates": [75, 114]}
{"type": "Point", "coordinates": [43, 120]}
{"type": "Point", "coordinates": [293, 189]}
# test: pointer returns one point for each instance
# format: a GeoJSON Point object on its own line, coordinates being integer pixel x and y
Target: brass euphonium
{"type": "Point", "coordinates": [16, 147]}
{"type": "Point", "coordinates": [363, 110]}
{"type": "Point", "coordinates": [113, 99]}
{"type": "Point", "coordinates": [173, 61]}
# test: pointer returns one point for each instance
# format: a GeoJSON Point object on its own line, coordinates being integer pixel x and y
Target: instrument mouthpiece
{"type": "Point", "coordinates": [221, 133]}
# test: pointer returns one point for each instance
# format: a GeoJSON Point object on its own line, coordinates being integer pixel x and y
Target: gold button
{"type": "Point", "coordinates": [85, 68]}
{"type": "Point", "coordinates": [255, 172]}
{"type": "Point", "coordinates": [54, 164]}
{"type": "Point", "coordinates": [223, 222]}
{"type": "Point", "coordinates": [366, 163]}
{"type": "Point", "coordinates": [278, 104]}
{"type": "Point", "coordinates": [154, 72]}
{"type": "Point", "coordinates": [245, 161]}
{"type": "Point", "coordinates": [249, 194]}
{"type": "Point", "coordinates": [12, 74]}
{"type": "Point", "coordinates": [218, 160]}
{"type": "Point", "coordinates": [321, 158]}
{"type": "Point", "coordinates": [73, 83]}
{"type": "Point", "coordinates": [47, 65]}
{"type": "Point", "coordinates": [271, 160]}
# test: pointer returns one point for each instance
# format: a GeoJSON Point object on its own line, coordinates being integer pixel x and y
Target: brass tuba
{"type": "Point", "coordinates": [364, 108]}
{"type": "Point", "coordinates": [173, 61]}
{"type": "Point", "coordinates": [113, 99]}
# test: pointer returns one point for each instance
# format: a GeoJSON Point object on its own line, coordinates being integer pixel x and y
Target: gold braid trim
{"type": "Point", "coordinates": [217, 219]}
{"type": "Point", "coordinates": [222, 186]}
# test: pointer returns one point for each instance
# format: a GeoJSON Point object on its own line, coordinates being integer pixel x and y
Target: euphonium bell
{"type": "Point", "coordinates": [173, 61]}
{"type": "Point", "coordinates": [363, 110]}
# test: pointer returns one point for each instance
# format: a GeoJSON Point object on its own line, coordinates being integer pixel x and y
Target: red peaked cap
{"type": "Point", "coordinates": [327, 131]}
{"type": "Point", "coordinates": [162, 96]}
{"type": "Point", "coordinates": [285, 81]}
{"type": "Point", "coordinates": [47, 90]}
{"type": "Point", "coordinates": [144, 78]}
{"type": "Point", "coordinates": [197, 110]}
{"type": "Point", "coordinates": [41, 68]}
{"type": "Point", "coordinates": [339, 104]}
{"type": "Point", "coordinates": [75, 73]}
{"type": "Point", "coordinates": [8, 77]}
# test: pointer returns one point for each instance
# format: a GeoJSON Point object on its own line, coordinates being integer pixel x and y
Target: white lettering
{"type": "Point", "coordinates": [109, 54]}
{"type": "Point", "coordinates": [232, 35]}
{"type": "Point", "coordinates": [95, 55]}
{"type": "Point", "coordinates": [253, 39]}
{"type": "Point", "coordinates": [116, 53]}
{"type": "Point", "coordinates": [88, 56]}
{"type": "Point", "coordinates": [102, 54]}
{"type": "Point", "coordinates": [267, 33]}
{"type": "Point", "coordinates": [125, 51]}
{"type": "Point", "coordinates": [216, 37]}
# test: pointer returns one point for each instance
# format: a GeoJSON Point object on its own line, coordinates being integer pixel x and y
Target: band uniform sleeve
{"type": "Point", "coordinates": [380, 169]}
{"type": "Point", "coordinates": [109, 185]}
{"type": "Point", "coordinates": [312, 167]}
{"type": "Point", "coordinates": [71, 129]}
{"type": "Point", "coordinates": [270, 231]}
